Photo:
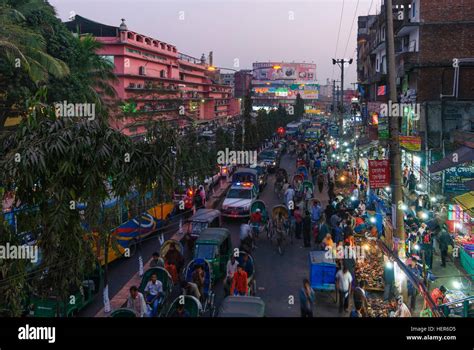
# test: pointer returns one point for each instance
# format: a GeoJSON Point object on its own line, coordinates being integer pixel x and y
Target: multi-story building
{"type": "Point", "coordinates": [227, 79]}
{"type": "Point", "coordinates": [156, 81]}
{"type": "Point", "coordinates": [242, 82]}
{"type": "Point", "coordinates": [434, 57]}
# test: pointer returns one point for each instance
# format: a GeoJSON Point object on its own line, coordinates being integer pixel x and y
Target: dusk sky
{"type": "Point", "coordinates": [242, 31]}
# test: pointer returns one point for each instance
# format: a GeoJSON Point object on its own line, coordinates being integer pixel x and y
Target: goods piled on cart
{"type": "Point", "coordinates": [465, 242]}
{"type": "Point", "coordinates": [371, 267]}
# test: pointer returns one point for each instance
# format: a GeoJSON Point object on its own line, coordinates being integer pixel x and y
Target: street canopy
{"type": "Point", "coordinates": [462, 155]}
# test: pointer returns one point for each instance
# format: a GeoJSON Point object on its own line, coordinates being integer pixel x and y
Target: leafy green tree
{"type": "Point", "coordinates": [25, 62]}
{"type": "Point", "coordinates": [238, 137]}
{"type": "Point", "coordinates": [298, 107]}
{"type": "Point", "coordinates": [264, 125]}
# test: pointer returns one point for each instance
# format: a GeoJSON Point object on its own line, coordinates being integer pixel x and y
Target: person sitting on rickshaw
{"type": "Point", "coordinates": [255, 221]}
{"type": "Point", "coordinates": [174, 257]}
{"type": "Point", "coordinates": [230, 271]}
{"type": "Point", "coordinates": [157, 261]}
{"type": "Point", "coordinates": [239, 282]}
{"type": "Point", "coordinates": [153, 294]}
{"type": "Point", "coordinates": [190, 288]}
{"type": "Point", "coordinates": [172, 270]}
{"type": "Point", "coordinates": [246, 239]}
{"type": "Point", "coordinates": [280, 228]}
{"type": "Point", "coordinates": [246, 264]}
{"type": "Point", "coordinates": [198, 277]}
{"type": "Point", "coordinates": [180, 312]}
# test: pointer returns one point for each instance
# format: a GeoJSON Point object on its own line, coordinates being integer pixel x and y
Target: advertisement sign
{"type": "Point", "coordinates": [383, 127]}
{"type": "Point", "coordinates": [411, 143]}
{"type": "Point", "coordinates": [306, 91]}
{"type": "Point", "coordinates": [379, 173]}
{"type": "Point", "coordinates": [297, 72]}
{"type": "Point", "coordinates": [455, 178]}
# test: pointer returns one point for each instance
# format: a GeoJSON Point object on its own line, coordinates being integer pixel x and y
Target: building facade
{"type": "Point", "coordinates": [156, 81]}
{"type": "Point", "coordinates": [434, 58]}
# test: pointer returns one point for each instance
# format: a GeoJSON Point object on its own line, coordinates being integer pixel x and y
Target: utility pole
{"type": "Point", "coordinates": [341, 62]}
{"type": "Point", "coordinates": [394, 143]}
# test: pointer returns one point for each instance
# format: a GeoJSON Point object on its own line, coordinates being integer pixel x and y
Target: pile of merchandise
{"type": "Point", "coordinates": [377, 307]}
{"type": "Point", "coordinates": [371, 267]}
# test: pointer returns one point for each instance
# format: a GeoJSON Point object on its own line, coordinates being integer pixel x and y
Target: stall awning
{"type": "Point", "coordinates": [466, 201]}
{"type": "Point", "coordinates": [462, 155]}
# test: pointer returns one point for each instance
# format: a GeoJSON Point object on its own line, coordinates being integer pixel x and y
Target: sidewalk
{"type": "Point", "coordinates": [445, 277]}
{"type": "Point", "coordinates": [120, 299]}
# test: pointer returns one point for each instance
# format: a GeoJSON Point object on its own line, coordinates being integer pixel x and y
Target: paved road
{"type": "Point", "coordinates": [278, 278]}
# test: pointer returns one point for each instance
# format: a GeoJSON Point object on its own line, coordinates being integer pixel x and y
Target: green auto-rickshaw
{"type": "Point", "coordinates": [214, 245]}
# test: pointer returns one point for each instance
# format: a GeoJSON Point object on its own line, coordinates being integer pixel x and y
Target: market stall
{"type": "Point", "coordinates": [461, 223]}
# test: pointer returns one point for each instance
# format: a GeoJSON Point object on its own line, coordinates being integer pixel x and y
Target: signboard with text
{"type": "Point", "coordinates": [379, 173]}
{"type": "Point", "coordinates": [456, 177]}
{"type": "Point", "coordinates": [410, 143]}
{"type": "Point", "coordinates": [295, 72]}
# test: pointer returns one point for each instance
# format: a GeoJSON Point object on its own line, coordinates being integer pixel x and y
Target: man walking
{"type": "Point", "coordinates": [445, 240]}
{"type": "Point", "coordinates": [307, 230]}
{"type": "Point", "coordinates": [306, 299]}
{"type": "Point", "coordinates": [343, 286]}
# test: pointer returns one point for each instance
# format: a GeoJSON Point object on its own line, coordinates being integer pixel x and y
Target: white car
{"type": "Point", "coordinates": [238, 200]}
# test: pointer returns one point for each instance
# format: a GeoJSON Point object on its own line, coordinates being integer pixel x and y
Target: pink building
{"type": "Point", "coordinates": [156, 82]}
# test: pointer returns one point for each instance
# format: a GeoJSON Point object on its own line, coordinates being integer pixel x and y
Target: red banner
{"type": "Point", "coordinates": [379, 173]}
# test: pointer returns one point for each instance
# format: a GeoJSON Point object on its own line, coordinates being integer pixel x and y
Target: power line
{"type": "Point", "coordinates": [352, 25]}
{"type": "Point", "coordinates": [338, 35]}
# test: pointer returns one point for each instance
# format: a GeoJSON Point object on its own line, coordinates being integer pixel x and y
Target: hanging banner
{"type": "Point", "coordinates": [411, 143]}
{"type": "Point", "coordinates": [379, 173]}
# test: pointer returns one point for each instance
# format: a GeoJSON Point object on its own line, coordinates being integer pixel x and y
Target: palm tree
{"type": "Point", "coordinates": [95, 73]}
{"type": "Point", "coordinates": [24, 47]}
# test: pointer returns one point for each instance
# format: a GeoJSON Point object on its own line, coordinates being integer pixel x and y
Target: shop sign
{"type": "Point", "coordinates": [379, 173]}
{"type": "Point", "coordinates": [383, 127]}
{"type": "Point", "coordinates": [456, 177]}
{"type": "Point", "coordinates": [411, 143]}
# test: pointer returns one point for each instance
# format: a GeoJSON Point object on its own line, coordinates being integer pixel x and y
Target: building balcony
{"type": "Point", "coordinates": [377, 77]}
{"type": "Point", "coordinates": [407, 27]}
{"type": "Point", "coordinates": [405, 61]}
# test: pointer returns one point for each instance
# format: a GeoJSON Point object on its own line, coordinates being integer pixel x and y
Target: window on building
{"type": "Point", "coordinates": [181, 76]}
{"type": "Point", "coordinates": [413, 10]}
{"type": "Point", "coordinates": [133, 51]}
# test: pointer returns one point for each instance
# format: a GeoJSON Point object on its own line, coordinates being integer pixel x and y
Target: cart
{"type": "Point", "coordinates": [322, 275]}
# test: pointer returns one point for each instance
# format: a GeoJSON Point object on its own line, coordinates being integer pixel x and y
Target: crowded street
{"type": "Point", "coordinates": [308, 165]}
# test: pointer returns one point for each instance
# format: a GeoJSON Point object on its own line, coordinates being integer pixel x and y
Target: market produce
{"type": "Point", "coordinates": [371, 267]}
{"type": "Point", "coordinates": [377, 307]}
